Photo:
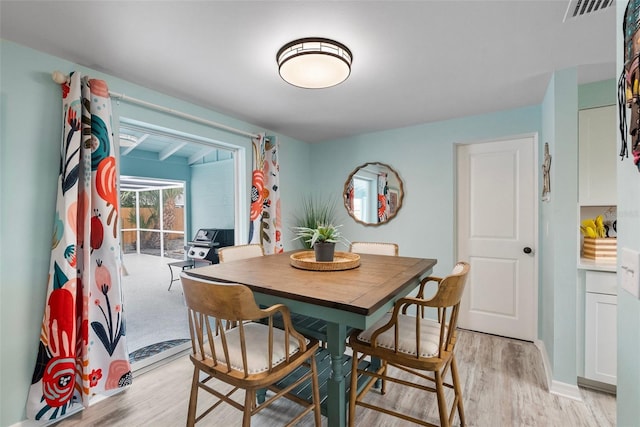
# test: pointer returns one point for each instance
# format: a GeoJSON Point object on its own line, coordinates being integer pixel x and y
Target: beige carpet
{"type": "Point", "coordinates": [153, 314]}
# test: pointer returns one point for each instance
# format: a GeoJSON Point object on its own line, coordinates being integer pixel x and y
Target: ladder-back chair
{"type": "Point", "coordinates": [230, 344]}
{"type": "Point", "coordinates": [307, 325]}
{"type": "Point", "coordinates": [415, 344]}
{"type": "Point", "coordinates": [374, 248]}
{"type": "Point", "coordinates": [232, 253]}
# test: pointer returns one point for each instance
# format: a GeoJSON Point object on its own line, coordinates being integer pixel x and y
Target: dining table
{"type": "Point", "coordinates": [342, 299]}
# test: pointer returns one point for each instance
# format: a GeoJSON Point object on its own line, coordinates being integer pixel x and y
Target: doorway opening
{"type": "Point", "coordinates": [171, 185]}
{"type": "Point", "coordinates": [152, 234]}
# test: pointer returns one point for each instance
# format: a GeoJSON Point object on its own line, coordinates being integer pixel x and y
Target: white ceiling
{"type": "Point", "coordinates": [414, 61]}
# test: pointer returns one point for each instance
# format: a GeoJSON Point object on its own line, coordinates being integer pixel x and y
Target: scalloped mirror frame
{"type": "Point", "coordinates": [381, 167]}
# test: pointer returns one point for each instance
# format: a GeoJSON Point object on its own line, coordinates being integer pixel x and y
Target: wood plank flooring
{"type": "Point", "coordinates": [503, 385]}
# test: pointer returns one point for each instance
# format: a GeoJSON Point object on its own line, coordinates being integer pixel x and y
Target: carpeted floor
{"type": "Point", "coordinates": [154, 315]}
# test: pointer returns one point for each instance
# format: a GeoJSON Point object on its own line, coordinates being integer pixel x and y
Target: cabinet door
{"type": "Point", "coordinates": [597, 156]}
{"type": "Point", "coordinates": [600, 338]}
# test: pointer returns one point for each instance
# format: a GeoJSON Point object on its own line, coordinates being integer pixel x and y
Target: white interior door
{"type": "Point", "coordinates": [497, 229]}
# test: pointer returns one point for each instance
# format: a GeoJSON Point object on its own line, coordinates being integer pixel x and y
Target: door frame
{"type": "Point", "coordinates": [241, 173]}
{"type": "Point", "coordinates": [536, 214]}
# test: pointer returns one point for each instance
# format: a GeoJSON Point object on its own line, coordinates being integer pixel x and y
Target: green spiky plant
{"type": "Point", "coordinates": [322, 233]}
{"type": "Point", "coordinates": [315, 212]}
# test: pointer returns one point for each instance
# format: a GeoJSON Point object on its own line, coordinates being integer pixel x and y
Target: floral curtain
{"type": "Point", "coordinates": [265, 227]}
{"type": "Point", "coordinates": [82, 348]}
{"type": "Point", "coordinates": [383, 197]}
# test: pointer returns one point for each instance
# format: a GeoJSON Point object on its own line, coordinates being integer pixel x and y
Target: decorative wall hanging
{"type": "Point", "coordinates": [629, 83]}
{"type": "Point", "coordinates": [546, 174]}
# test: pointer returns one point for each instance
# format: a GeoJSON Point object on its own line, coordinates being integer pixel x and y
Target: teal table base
{"type": "Point", "coordinates": [336, 366]}
{"type": "Point", "coordinates": [324, 363]}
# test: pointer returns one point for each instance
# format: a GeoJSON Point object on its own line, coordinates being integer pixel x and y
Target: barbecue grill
{"type": "Point", "coordinates": [203, 249]}
{"type": "Point", "coordinates": [206, 243]}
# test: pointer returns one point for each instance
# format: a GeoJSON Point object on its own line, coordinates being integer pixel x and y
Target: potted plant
{"type": "Point", "coordinates": [322, 239]}
{"type": "Point", "coordinates": [314, 211]}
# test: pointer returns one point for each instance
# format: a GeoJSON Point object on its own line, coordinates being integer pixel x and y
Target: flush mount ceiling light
{"type": "Point", "coordinates": [314, 63]}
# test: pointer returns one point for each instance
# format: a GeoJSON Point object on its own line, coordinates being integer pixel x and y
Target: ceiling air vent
{"type": "Point", "coordinates": [579, 8]}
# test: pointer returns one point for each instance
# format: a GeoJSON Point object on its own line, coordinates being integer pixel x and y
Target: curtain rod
{"type": "Point", "coordinates": [61, 78]}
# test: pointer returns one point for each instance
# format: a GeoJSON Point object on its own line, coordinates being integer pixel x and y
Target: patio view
{"type": "Point", "coordinates": [153, 227]}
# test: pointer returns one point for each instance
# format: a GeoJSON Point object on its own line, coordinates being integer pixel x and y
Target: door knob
{"type": "Point", "coordinates": [527, 250]}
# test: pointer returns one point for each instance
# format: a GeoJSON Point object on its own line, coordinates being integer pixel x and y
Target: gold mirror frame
{"type": "Point", "coordinates": [395, 191]}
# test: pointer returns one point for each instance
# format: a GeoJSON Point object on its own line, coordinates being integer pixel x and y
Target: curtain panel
{"type": "Point", "coordinates": [265, 225]}
{"type": "Point", "coordinates": [383, 197]}
{"type": "Point", "coordinates": [82, 349]}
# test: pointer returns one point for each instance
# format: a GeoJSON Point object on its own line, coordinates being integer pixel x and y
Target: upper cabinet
{"type": "Point", "coordinates": [597, 156]}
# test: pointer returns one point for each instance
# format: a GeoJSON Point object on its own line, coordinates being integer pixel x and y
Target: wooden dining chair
{"type": "Point", "coordinates": [248, 356]}
{"type": "Point", "coordinates": [233, 253]}
{"type": "Point", "coordinates": [374, 248]}
{"type": "Point", "coordinates": [307, 325]}
{"type": "Point", "coordinates": [415, 344]}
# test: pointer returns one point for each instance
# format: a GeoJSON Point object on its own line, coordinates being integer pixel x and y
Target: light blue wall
{"type": "Point", "coordinates": [424, 157]}
{"type": "Point", "coordinates": [546, 305]}
{"type": "Point", "coordinates": [211, 196]}
{"type": "Point", "coordinates": [564, 200]}
{"type": "Point", "coordinates": [628, 307]}
{"type": "Point", "coordinates": [30, 133]}
{"type": "Point", "coordinates": [597, 94]}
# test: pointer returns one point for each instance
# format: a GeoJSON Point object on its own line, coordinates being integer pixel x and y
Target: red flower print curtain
{"type": "Point", "coordinates": [82, 348]}
{"type": "Point", "coordinates": [265, 227]}
{"type": "Point", "coordinates": [383, 197]}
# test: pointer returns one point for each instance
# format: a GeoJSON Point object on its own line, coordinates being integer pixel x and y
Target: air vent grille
{"type": "Point", "coordinates": [579, 8]}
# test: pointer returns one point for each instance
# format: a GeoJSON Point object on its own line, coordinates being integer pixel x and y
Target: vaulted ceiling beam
{"type": "Point", "coordinates": [135, 144]}
{"type": "Point", "coordinates": [171, 149]}
{"type": "Point", "coordinates": [199, 155]}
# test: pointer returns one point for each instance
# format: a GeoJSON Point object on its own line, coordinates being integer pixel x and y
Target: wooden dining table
{"type": "Point", "coordinates": [353, 298]}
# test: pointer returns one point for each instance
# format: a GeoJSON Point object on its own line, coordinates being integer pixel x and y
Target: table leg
{"type": "Point", "coordinates": [171, 282]}
{"type": "Point", "coordinates": [336, 387]}
{"type": "Point", "coordinates": [261, 395]}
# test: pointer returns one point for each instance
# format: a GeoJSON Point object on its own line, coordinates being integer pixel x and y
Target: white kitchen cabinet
{"type": "Point", "coordinates": [600, 327]}
{"type": "Point", "coordinates": [597, 156]}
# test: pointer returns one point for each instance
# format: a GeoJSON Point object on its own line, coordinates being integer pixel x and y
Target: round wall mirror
{"type": "Point", "coordinates": [373, 193]}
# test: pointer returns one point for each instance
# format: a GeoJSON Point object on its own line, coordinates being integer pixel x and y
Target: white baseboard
{"type": "Point", "coordinates": [545, 362]}
{"type": "Point", "coordinates": [556, 387]}
{"type": "Point", "coordinates": [566, 390]}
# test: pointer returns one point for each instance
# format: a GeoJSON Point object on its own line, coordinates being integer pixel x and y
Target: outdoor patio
{"type": "Point", "coordinates": [156, 317]}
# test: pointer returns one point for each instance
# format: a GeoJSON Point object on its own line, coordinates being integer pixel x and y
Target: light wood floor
{"type": "Point", "coordinates": [503, 385]}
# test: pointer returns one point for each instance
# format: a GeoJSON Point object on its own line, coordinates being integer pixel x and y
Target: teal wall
{"type": "Point", "coordinates": [146, 164]}
{"type": "Point", "coordinates": [628, 307]}
{"type": "Point", "coordinates": [209, 187]}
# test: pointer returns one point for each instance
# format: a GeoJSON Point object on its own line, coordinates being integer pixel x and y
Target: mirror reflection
{"type": "Point", "coordinates": [373, 193]}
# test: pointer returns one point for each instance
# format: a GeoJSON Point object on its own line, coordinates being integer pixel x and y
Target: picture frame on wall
{"type": "Point", "coordinates": [394, 194]}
